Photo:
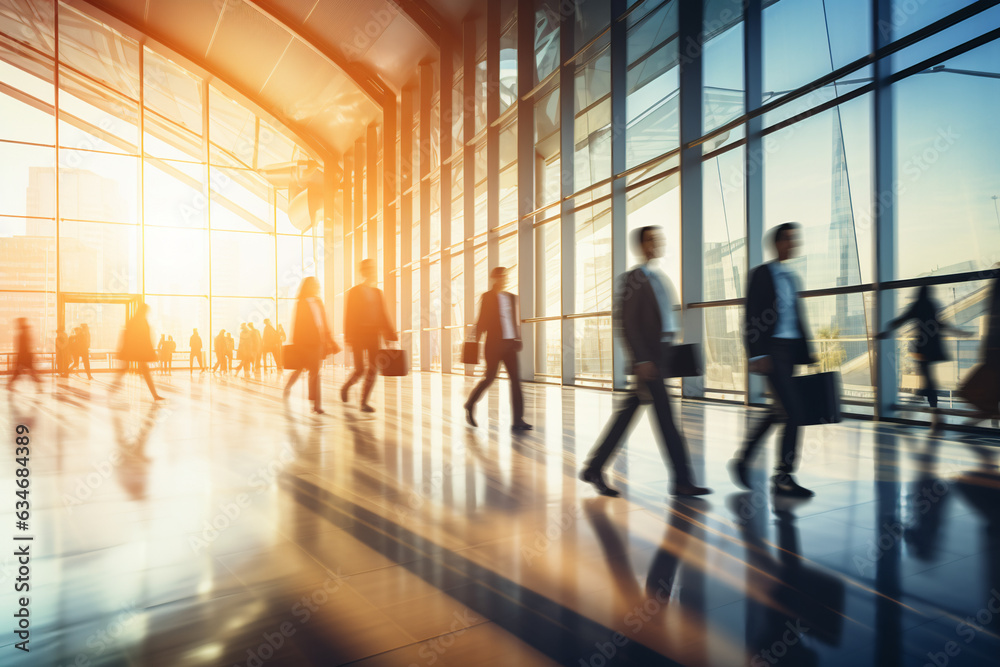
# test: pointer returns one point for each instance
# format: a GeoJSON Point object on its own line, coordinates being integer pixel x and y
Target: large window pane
{"type": "Point", "coordinates": [548, 178]}
{"type": "Point", "coordinates": [818, 172]}
{"type": "Point", "coordinates": [228, 314]}
{"type": "Point", "coordinates": [172, 93]}
{"type": "Point", "coordinates": [658, 203]}
{"type": "Point", "coordinates": [33, 21]}
{"type": "Point", "coordinates": [174, 194]}
{"type": "Point", "coordinates": [908, 16]}
{"type": "Point", "coordinates": [724, 226]}
{"type": "Point", "coordinates": [725, 365]}
{"type": "Point", "coordinates": [653, 102]}
{"type": "Point", "coordinates": [92, 117]}
{"type": "Point", "coordinates": [722, 63]}
{"type": "Point", "coordinates": [30, 96]}
{"type": "Point", "coordinates": [100, 187]}
{"type": "Point", "coordinates": [40, 309]}
{"type": "Point", "coordinates": [27, 254]}
{"type": "Point", "coordinates": [947, 172]}
{"type": "Point", "coordinates": [176, 261]}
{"type": "Point", "coordinates": [842, 342]}
{"type": "Point", "coordinates": [295, 262]}
{"type": "Point", "coordinates": [28, 186]}
{"type": "Point", "coordinates": [548, 348]}
{"type": "Point", "coordinates": [99, 257]}
{"type": "Point", "coordinates": [593, 258]}
{"type": "Point", "coordinates": [101, 53]}
{"type": "Point", "coordinates": [547, 18]}
{"type": "Point", "coordinates": [592, 127]}
{"type": "Point", "coordinates": [593, 349]}
{"type": "Point", "coordinates": [243, 264]}
{"type": "Point", "coordinates": [548, 269]}
{"type": "Point", "coordinates": [241, 201]}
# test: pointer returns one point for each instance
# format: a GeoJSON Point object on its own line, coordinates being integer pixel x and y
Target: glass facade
{"type": "Point", "coordinates": [540, 144]}
{"type": "Point", "coordinates": [166, 190]}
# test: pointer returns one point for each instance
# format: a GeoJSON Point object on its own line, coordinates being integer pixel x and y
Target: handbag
{"type": "Point", "coordinates": [819, 398]}
{"type": "Point", "coordinates": [683, 361]}
{"type": "Point", "coordinates": [981, 388]}
{"type": "Point", "coordinates": [391, 362]}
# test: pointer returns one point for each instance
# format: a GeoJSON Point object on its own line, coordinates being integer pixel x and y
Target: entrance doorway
{"type": "Point", "coordinates": [105, 316]}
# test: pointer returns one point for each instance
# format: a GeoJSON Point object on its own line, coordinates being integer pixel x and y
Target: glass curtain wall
{"type": "Point", "coordinates": [801, 144]}
{"type": "Point", "coordinates": [129, 177]}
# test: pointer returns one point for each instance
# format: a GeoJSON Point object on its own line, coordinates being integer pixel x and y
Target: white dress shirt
{"type": "Point", "coordinates": [786, 292]}
{"type": "Point", "coordinates": [507, 328]}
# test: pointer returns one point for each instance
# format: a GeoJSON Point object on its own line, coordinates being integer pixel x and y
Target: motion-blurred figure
{"type": "Point", "coordinates": [230, 348]}
{"type": "Point", "coordinates": [645, 320]}
{"type": "Point", "coordinates": [311, 340]}
{"type": "Point", "coordinates": [365, 321]}
{"type": "Point", "coordinates": [927, 348]}
{"type": "Point", "coordinates": [62, 352]}
{"type": "Point", "coordinates": [776, 336]}
{"type": "Point", "coordinates": [161, 353]}
{"type": "Point", "coordinates": [84, 344]}
{"type": "Point", "coordinates": [74, 350]}
{"type": "Point", "coordinates": [221, 346]}
{"type": "Point", "coordinates": [245, 351]}
{"type": "Point", "coordinates": [171, 348]}
{"type": "Point", "coordinates": [194, 343]}
{"type": "Point", "coordinates": [270, 342]}
{"type": "Point", "coordinates": [281, 345]}
{"type": "Point", "coordinates": [24, 363]}
{"type": "Point", "coordinates": [500, 320]}
{"type": "Point", "coordinates": [137, 347]}
{"type": "Point", "coordinates": [256, 348]}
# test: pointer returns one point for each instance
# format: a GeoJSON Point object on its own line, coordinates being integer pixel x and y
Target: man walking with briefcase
{"type": "Point", "coordinates": [500, 320]}
{"type": "Point", "coordinates": [644, 316]}
{"type": "Point", "coordinates": [365, 319]}
{"type": "Point", "coordinates": [777, 338]}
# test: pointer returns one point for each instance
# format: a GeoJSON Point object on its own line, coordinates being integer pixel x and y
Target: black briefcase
{"type": "Point", "coordinates": [470, 353]}
{"type": "Point", "coordinates": [683, 361]}
{"type": "Point", "coordinates": [981, 388]}
{"type": "Point", "coordinates": [819, 398]}
{"type": "Point", "coordinates": [391, 362]}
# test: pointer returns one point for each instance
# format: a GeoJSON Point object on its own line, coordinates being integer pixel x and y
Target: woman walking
{"type": "Point", "coordinates": [137, 347]}
{"type": "Point", "coordinates": [311, 340]}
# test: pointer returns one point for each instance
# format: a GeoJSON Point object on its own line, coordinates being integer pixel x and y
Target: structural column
{"type": "Point", "coordinates": [371, 211]}
{"type": "Point", "coordinates": [426, 92]}
{"type": "Point", "coordinates": [347, 222]}
{"type": "Point", "coordinates": [692, 244]}
{"type": "Point", "coordinates": [884, 216]}
{"type": "Point", "coordinates": [359, 206]}
{"type": "Point", "coordinates": [389, 194]}
{"type": "Point", "coordinates": [526, 269]}
{"type": "Point", "coordinates": [753, 168]}
{"type": "Point", "coordinates": [567, 227]}
{"type": "Point", "coordinates": [619, 201]}
{"type": "Point", "coordinates": [445, 66]}
{"type": "Point", "coordinates": [406, 217]}
{"type": "Point", "coordinates": [492, 132]}
{"type": "Point", "coordinates": [469, 170]}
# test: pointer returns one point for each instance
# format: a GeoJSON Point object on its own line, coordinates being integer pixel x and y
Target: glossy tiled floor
{"type": "Point", "coordinates": [225, 528]}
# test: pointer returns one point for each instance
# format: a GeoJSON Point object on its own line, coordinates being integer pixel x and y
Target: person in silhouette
{"type": "Point", "coordinates": [269, 339]}
{"type": "Point", "coordinates": [74, 350]}
{"type": "Point", "coordinates": [927, 348]}
{"type": "Point", "coordinates": [62, 352]}
{"type": "Point", "coordinates": [161, 353]}
{"type": "Point", "coordinates": [194, 344]}
{"type": "Point", "coordinates": [366, 320]}
{"type": "Point", "coordinates": [230, 348]}
{"type": "Point", "coordinates": [171, 347]}
{"type": "Point", "coordinates": [245, 351]}
{"type": "Point", "coordinates": [24, 363]}
{"type": "Point", "coordinates": [776, 336]}
{"type": "Point", "coordinates": [256, 348]}
{"type": "Point", "coordinates": [281, 347]}
{"type": "Point", "coordinates": [137, 347]}
{"type": "Point", "coordinates": [500, 320]}
{"type": "Point", "coordinates": [84, 343]}
{"type": "Point", "coordinates": [646, 321]}
{"type": "Point", "coordinates": [221, 346]}
{"type": "Point", "coordinates": [311, 339]}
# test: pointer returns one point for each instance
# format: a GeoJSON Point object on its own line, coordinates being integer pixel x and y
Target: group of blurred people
{"type": "Point", "coordinates": [72, 350]}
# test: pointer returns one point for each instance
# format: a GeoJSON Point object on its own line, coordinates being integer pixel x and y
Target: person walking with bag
{"type": "Point", "coordinates": [311, 340]}
{"type": "Point", "coordinates": [499, 319]}
{"type": "Point", "coordinates": [366, 320]}
{"type": "Point", "coordinates": [645, 319]}
{"type": "Point", "coordinates": [137, 347]}
{"type": "Point", "coordinates": [776, 336]}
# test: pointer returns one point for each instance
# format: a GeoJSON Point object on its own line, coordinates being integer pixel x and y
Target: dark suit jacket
{"type": "Point", "coordinates": [639, 321]}
{"type": "Point", "coordinates": [927, 343]}
{"type": "Point", "coordinates": [364, 319]}
{"type": "Point", "coordinates": [991, 344]}
{"type": "Point", "coordinates": [489, 323]}
{"type": "Point", "coordinates": [306, 336]}
{"type": "Point", "coordinates": [762, 317]}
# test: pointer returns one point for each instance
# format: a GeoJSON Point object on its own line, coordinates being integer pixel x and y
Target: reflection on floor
{"type": "Point", "coordinates": [225, 528]}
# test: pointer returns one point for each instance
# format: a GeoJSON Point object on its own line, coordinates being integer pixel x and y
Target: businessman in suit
{"type": "Point", "coordinates": [777, 338]}
{"type": "Point", "coordinates": [365, 321]}
{"type": "Point", "coordinates": [645, 319]}
{"type": "Point", "coordinates": [500, 320]}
